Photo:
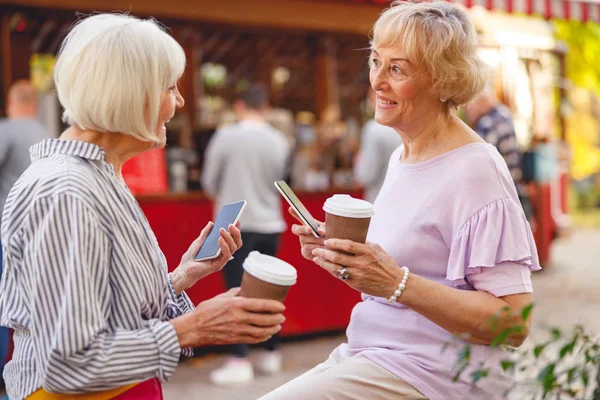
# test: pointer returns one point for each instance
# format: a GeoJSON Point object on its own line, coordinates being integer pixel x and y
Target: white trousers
{"type": "Point", "coordinates": [355, 378]}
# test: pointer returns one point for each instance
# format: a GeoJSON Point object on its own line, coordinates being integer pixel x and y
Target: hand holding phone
{"type": "Point", "coordinates": [303, 214]}
{"type": "Point", "coordinates": [308, 241]}
{"type": "Point", "coordinates": [229, 214]}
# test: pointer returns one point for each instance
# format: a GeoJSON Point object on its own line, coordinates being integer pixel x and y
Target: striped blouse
{"type": "Point", "coordinates": [85, 285]}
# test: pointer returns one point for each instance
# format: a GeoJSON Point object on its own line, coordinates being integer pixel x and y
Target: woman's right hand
{"type": "Point", "coordinates": [229, 319]}
{"type": "Point", "coordinates": [307, 241]}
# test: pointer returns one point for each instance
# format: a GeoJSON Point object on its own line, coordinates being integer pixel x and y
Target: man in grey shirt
{"type": "Point", "coordinates": [242, 162]}
{"type": "Point", "coordinates": [377, 144]}
{"type": "Point", "coordinates": [18, 133]}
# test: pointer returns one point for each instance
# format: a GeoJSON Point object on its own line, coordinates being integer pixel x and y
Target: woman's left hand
{"type": "Point", "coordinates": [371, 270]}
{"type": "Point", "coordinates": [191, 271]}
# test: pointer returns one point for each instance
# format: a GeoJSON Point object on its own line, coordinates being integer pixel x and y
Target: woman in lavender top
{"type": "Point", "coordinates": [448, 210]}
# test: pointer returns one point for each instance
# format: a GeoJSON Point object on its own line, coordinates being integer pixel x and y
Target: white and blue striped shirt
{"type": "Point", "coordinates": [85, 284]}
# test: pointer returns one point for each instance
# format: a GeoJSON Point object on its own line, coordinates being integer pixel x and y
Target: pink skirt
{"type": "Point", "coordinates": [147, 390]}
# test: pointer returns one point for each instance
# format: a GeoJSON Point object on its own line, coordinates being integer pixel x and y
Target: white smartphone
{"type": "Point", "coordinates": [297, 205]}
{"type": "Point", "coordinates": [229, 214]}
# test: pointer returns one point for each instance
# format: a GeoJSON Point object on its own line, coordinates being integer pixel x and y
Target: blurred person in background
{"type": "Point", "coordinates": [307, 171]}
{"type": "Point", "coordinates": [448, 247]}
{"type": "Point", "coordinates": [242, 162]}
{"type": "Point", "coordinates": [18, 133]}
{"type": "Point", "coordinates": [337, 147]}
{"type": "Point", "coordinates": [283, 121]}
{"type": "Point", "coordinates": [377, 144]}
{"type": "Point", "coordinates": [307, 166]}
{"type": "Point", "coordinates": [493, 121]}
{"type": "Point", "coordinates": [85, 285]}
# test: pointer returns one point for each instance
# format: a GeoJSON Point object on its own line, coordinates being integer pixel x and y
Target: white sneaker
{"type": "Point", "coordinates": [235, 371]}
{"type": "Point", "coordinates": [269, 362]}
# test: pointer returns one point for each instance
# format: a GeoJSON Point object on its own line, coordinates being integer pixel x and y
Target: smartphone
{"type": "Point", "coordinates": [229, 214]}
{"type": "Point", "coordinates": [297, 205]}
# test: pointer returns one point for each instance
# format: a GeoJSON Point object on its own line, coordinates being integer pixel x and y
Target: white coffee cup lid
{"type": "Point", "coordinates": [345, 205]}
{"type": "Point", "coordinates": [270, 269]}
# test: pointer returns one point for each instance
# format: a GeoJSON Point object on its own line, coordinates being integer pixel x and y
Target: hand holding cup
{"type": "Point", "coordinates": [228, 319]}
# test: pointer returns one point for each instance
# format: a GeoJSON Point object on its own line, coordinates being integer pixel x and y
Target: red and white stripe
{"type": "Point", "coordinates": [578, 10]}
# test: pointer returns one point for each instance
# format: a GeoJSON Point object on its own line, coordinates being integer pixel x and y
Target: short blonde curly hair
{"type": "Point", "coordinates": [439, 39]}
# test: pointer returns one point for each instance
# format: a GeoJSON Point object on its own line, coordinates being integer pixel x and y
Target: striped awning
{"type": "Point", "coordinates": [577, 10]}
{"type": "Point", "coordinates": [563, 9]}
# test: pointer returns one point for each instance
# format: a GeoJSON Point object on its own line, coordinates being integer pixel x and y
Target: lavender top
{"type": "Point", "coordinates": [454, 219]}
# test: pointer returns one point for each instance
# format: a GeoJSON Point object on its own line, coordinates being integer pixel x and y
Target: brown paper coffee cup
{"type": "Point", "coordinates": [354, 229]}
{"type": "Point", "coordinates": [347, 218]}
{"type": "Point", "coordinates": [255, 288]}
{"type": "Point", "coordinates": [267, 277]}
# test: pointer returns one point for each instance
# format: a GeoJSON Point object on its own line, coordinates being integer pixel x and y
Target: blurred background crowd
{"type": "Point", "coordinates": [315, 71]}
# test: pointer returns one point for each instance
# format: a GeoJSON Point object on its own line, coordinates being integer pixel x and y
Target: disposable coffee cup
{"type": "Point", "coordinates": [347, 218]}
{"type": "Point", "coordinates": [267, 277]}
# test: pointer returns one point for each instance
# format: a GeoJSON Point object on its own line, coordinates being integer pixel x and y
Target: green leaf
{"type": "Point", "coordinates": [547, 378]}
{"type": "Point", "coordinates": [480, 373]}
{"type": "Point", "coordinates": [537, 351]}
{"type": "Point", "coordinates": [556, 334]}
{"type": "Point", "coordinates": [572, 392]}
{"type": "Point", "coordinates": [462, 366]}
{"type": "Point", "coordinates": [526, 312]}
{"type": "Point", "coordinates": [445, 347]}
{"type": "Point", "coordinates": [571, 374]}
{"type": "Point", "coordinates": [464, 353]}
{"type": "Point", "coordinates": [588, 357]}
{"type": "Point", "coordinates": [508, 365]}
{"type": "Point", "coordinates": [500, 338]}
{"type": "Point", "coordinates": [585, 377]}
{"type": "Point", "coordinates": [567, 349]}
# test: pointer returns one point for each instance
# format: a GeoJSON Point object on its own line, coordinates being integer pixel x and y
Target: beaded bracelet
{"type": "Point", "coordinates": [401, 286]}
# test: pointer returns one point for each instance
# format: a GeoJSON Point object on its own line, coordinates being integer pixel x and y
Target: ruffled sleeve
{"type": "Point", "coordinates": [496, 236]}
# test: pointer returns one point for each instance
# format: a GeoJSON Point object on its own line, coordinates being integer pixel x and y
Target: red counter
{"type": "Point", "coordinates": [317, 303]}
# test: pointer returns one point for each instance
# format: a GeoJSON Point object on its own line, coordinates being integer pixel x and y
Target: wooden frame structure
{"type": "Point", "coordinates": [320, 42]}
{"type": "Point", "coordinates": [250, 37]}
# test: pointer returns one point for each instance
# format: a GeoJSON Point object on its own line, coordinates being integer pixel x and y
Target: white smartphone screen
{"type": "Point", "coordinates": [297, 205]}
{"type": "Point", "coordinates": [229, 214]}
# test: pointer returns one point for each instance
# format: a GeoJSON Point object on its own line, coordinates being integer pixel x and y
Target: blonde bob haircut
{"type": "Point", "coordinates": [112, 72]}
{"type": "Point", "coordinates": [440, 40]}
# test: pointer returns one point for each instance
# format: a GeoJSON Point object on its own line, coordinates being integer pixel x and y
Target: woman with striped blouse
{"type": "Point", "coordinates": [85, 285]}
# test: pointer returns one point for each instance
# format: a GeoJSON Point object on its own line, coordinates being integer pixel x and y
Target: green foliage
{"type": "Point", "coordinates": [508, 365]}
{"type": "Point", "coordinates": [583, 57]}
{"type": "Point", "coordinates": [566, 366]}
{"type": "Point", "coordinates": [526, 312]}
{"type": "Point", "coordinates": [547, 378]}
{"type": "Point", "coordinates": [555, 332]}
{"type": "Point", "coordinates": [478, 374]}
{"type": "Point", "coordinates": [501, 337]}
{"type": "Point", "coordinates": [537, 350]}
